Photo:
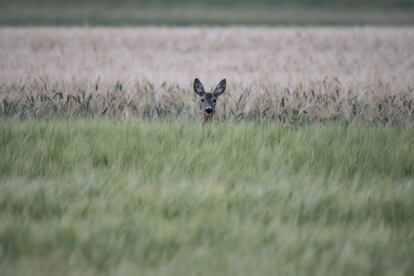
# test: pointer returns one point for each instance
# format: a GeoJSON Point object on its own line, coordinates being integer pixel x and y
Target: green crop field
{"type": "Point", "coordinates": [202, 12]}
{"type": "Point", "coordinates": [90, 197]}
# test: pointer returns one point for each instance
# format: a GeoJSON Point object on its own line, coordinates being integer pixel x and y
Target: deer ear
{"type": "Point", "coordinates": [198, 87]}
{"type": "Point", "coordinates": [220, 88]}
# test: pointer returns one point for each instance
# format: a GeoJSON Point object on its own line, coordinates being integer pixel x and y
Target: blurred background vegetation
{"type": "Point", "coordinates": [207, 12]}
{"type": "Point", "coordinates": [231, 3]}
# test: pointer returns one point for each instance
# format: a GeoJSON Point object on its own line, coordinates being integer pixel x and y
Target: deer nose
{"type": "Point", "coordinates": [209, 110]}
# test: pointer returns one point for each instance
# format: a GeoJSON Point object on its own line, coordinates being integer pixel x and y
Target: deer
{"type": "Point", "coordinates": [209, 99]}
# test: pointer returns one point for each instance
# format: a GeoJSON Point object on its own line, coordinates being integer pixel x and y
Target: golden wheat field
{"type": "Point", "coordinates": [293, 75]}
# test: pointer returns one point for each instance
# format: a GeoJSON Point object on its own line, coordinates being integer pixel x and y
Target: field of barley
{"type": "Point", "coordinates": [291, 75]}
{"type": "Point", "coordinates": [306, 169]}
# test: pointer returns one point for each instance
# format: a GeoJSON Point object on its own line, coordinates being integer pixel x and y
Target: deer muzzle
{"type": "Point", "coordinates": [209, 110]}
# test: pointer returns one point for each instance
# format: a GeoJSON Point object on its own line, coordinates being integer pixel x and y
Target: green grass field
{"type": "Point", "coordinates": [176, 197]}
{"type": "Point", "coordinates": [202, 12]}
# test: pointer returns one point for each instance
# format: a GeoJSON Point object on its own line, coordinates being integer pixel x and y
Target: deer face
{"type": "Point", "coordinates": [209, 99]}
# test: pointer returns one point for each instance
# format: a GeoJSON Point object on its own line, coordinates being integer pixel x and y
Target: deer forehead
{"type": "Point", "coordinates": [208, 95]}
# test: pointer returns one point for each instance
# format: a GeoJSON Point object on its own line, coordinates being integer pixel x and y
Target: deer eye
{"type": "Point", "coordinates": [214, 100]}
{"type": "Point", "coordinates": [202, 100]}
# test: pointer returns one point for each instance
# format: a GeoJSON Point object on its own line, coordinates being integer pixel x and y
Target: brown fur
{"type": "Point", "coordinates": [209, 99]}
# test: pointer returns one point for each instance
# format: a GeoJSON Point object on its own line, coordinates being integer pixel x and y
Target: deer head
{"type": "Point", "coordinates": [209, 99]}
